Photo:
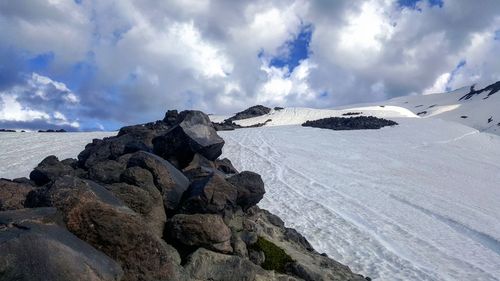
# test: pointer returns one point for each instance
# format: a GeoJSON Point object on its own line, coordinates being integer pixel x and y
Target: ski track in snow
{"type": "Point", "coordinates": [353, 201]}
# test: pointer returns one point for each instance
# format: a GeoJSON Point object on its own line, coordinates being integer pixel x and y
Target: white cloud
{"type": "Point", "coordinates": [38, 99]}
{"type": "Point", "coordinates": [12, 110]}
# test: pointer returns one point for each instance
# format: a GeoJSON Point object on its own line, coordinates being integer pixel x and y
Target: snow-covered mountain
{"type": "Point", "coordinates": [475, 106]}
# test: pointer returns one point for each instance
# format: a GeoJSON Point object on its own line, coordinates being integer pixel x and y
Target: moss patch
{"type": "Point", "coordinates": [276, 258]}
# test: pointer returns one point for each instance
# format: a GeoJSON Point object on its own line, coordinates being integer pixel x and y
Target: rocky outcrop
{"type": "Point", "coordinates": [193, 133]}
{"type": "Point", "coordinates": [254, 111]}
{"type": "Point", "coordinates": [152, 203]}
{"type": "Point", "coordinates": [351, 123]}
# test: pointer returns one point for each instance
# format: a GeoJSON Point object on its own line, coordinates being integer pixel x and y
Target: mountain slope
{"type": "Point", "coordinates": [417, 201]}
{"type": "Point", "coordinates": [479, 109]}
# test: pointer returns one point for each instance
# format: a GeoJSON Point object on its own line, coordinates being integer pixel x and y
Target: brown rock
{"type": "Point", "coordinates": [201, 230]}
{"type": "Point", "coordinates": [13, 195]}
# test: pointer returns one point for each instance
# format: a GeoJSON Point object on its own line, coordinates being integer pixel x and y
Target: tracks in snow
{"type": "Point", "coordinates": [338, 223]}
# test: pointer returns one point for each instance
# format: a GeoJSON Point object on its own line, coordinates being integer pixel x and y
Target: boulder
{"type": "Point", "coordinates": [34, 248]}
{"type": "Point", "coordinates": [13, 194]}
{"type": "Point", "coordinates": [127, 239]}
{"type": "Point", "coordinates": [199, 167]}
{"type": "Point", "coordinates": [111, 149]}
{"type": "Point", "coordinates": [49, 170]}
{"type": "Point", "coordinates": [193, 133]}
{"type": "Point", "coordinates": [201, 230]}
{"type": "Point", "coordinates": [212, 194]}
{"type": "Point", "coordinates": [140, 194]}
{"type": "Point", "coordinates": [170, 181]}
{"type": "Point", "coordinates": [254, 111]}
{"type": "Point", "coordinates": [68, 191]}
{"type": "Point", "coordinates": [171, 117]}
{"type": "Point", "coordinates": [107, 171]}
{"type": "Point", "coordinates": [250, 188]}
{"type": "Point", "coordinates": [224, 165]}
{"type": "Point", "coordinates": [207, 265]}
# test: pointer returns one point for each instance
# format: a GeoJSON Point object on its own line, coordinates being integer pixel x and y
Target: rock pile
{"type": "Point", "coordinates": [351, 123]}
{"type": "Point", "coordinates": [254, 111]}
{"type": "Point", "coordinates": [152, 203]}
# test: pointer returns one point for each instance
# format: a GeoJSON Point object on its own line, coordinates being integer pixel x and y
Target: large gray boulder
{"type": "Point", "coordinates": [13, 194]}
{"type": "Point", "coordinates": [212, 194]}
{"type": "Point", "coordinates": [201, 230]}
{"type": "Point", "coordinates": [34, 248]}
{"type": "Point", "coordinates": [193, 133]}
{"type": "Point", "coordinates": [49, 170]}
{"type": "Point", "coordinates": [250, 188]}
{"type": "Point", "coordinates": [170, 181]}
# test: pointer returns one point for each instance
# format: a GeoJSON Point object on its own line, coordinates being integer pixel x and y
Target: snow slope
{"type": "Point", "coordinates": [480, 111]}
{"type": "Point", "coordinates": [299, 115]}
{"type": "Point", "coordinates": [418, 201]}
{"type": "Point", "coordinates": [21, 152]}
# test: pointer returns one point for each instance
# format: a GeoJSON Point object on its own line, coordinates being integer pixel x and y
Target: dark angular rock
{"type": "Point", "coordinates": [107, 171]}
{"type": "Point", "coordinates": [225, 166]}
{"type": "Point", "coordinates": [49, 170]}
{"type": "Point", "coordinates": [68, 191]}
{"type": "Point", "coordinates": [34, 248]}
{"type": "Point", "coordinates": [212, 194]}
{"type": "Point", "coordinates": [250, 188]}
{"type": "Point", "coordinates": [199, 167]}
{"type": "Point", "coordinates": [112, 148]}
{"type": "Point", "coordinates": [170, 181]}
{"type": "Point", "coordinates": [171, 117]}
{"type": "Point", "coordinates": [193, 134]}
{"type": "Point", "coordinates": [13, 194]}
{"type": "Point", "coordinates": [254, 111]}
{"type": "Point", "coordinates": [201, 230]}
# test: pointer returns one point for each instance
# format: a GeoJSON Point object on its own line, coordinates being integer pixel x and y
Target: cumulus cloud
{"type": "Point", "coordinates": [126, 61]}
{"type": "Point", "coordinates": [36, 102]}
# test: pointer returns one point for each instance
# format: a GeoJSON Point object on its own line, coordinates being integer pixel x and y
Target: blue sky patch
{"type": "Point", "coordinates": [412, 4]}
{"type": "Point", "coordinates": [454, 72]}
{"type": "Point", "coordinates": [40, 61]}
{"type": "Point", "coordinates": [497, 35]}
{"type": "Point", "coordinates": [295, 50]}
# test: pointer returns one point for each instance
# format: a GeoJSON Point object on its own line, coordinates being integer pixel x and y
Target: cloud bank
{"type": "Point", "coordinates": [99, 64]}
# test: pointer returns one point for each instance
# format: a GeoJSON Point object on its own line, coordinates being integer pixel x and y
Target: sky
{"type": "Point", "coordinates": [100, 64]}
